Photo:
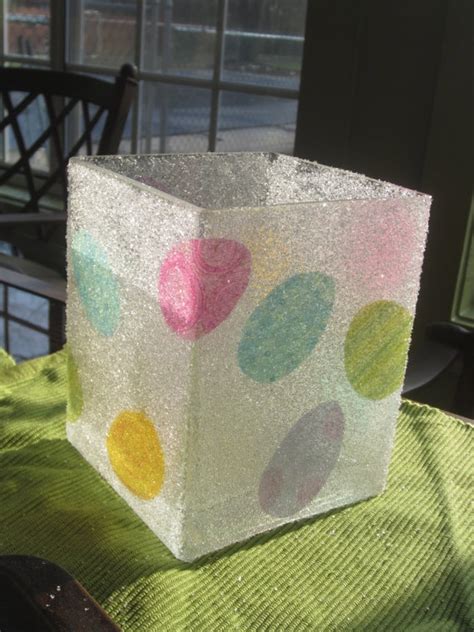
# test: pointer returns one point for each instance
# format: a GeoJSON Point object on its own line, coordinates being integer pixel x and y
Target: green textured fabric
{"type": "Point", "coordinates": [401, 561]}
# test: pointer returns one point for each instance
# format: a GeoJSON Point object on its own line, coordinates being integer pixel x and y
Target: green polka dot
{"type": "Point", "coordinates": [376, 348]}
{"type": "Point", "coordinates": [75, 402]}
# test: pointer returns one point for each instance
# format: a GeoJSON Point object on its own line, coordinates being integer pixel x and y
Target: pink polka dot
{"type": "Point", "coordinates": [181, 296]}
{"type": "Point", "coordinates": [200, 282]}
{"type": "Point", "coordinates": [308, 489]}
{"type": "Point", "coordinates": [217, 256]}
{"type": "Point", "coordinates": [303, 462]}
{"type": "Point", "coordinates": [270, 488]}
{"type": "Point", "coordinates": [380, 252]}
{"type": "Point", "coordinates": [332, 431]}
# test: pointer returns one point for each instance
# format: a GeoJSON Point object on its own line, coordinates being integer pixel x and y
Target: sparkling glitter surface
{"type": "Point", "coordinates": [238, 327]}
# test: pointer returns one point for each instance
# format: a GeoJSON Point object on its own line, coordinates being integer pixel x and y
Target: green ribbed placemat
{"type": "Point", "coordinates": [398, 562]}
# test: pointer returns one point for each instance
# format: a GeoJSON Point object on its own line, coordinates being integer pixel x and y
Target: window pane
{"type": "Point", "coordinates": [174, 118]}
{"type": "Point", "coordinates": [75, 128]}
{"type": "Point", "coordinates": [180, 37]}
{"type": "Point", "coordinates": [264, 42]}
{"type": "Point", "coordinates": [125, 146]}
{"type": "Point", "coordinates": [33, 309]}
{"type": "Point", "coordinates": [75, 125]}
{"type": "Point", "coordinates": [102, 33]}
{"type": "Point", "coordinates": [26, 343]}
{"type": "Point", "coordinates": [464, 312]}
{"type": "Point", "coordinates": [27, 26]}
{"type": "Point", "coordinates": [250, 122]}
{"type": "Point", "coordinates": [32, 121]}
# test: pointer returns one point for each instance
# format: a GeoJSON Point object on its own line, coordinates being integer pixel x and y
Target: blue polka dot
{"type": "Point", "coordinates": [286, 326]}
{"type": "Point", "coordinates": [96, 283]}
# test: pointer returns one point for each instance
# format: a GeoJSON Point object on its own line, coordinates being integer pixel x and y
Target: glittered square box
{"type": "Point", "coordinates": [238, 326]}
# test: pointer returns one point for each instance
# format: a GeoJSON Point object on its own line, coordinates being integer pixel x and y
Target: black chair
{"type": "Point", "coordinates": [446, 343]}
{"type": "Point", "coordinates": [74, 114]}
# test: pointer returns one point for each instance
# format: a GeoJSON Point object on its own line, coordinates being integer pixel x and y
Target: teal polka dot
{"type": "Point", "coordinates": [97, 286]}
{"type": "Point", "coordinates": [286, 326]}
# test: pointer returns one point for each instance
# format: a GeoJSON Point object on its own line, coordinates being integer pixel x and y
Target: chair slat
{"type": "Point", "coordinates": [23, 162]}
{"type": "Point", "coordinates": [54, 289]}
{"type": "Point", "coordinates": [87, 119]}
{"type": "Point", "coordinates": [63, 84]}
{"type": "Point", "coordinates": [113, 100]}
{"type": "Point", "coordinates": [87, 132]}
{"type": "Point", "coordinates": [57, 140]}
{"type": "Point", "coordinates": [17, 110]}
{"type": "Point", "coordinates": [22, 148]}
{"type": "Point", "coordinates": [53, 177]}
{"type": "Point", "coordinates": [32, 218]}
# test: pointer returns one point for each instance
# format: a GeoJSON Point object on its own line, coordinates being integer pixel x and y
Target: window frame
{"type": "Point", "coordinates": [60, 33]}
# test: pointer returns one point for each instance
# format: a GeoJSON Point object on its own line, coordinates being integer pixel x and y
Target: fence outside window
{"type": "Point", "coordinates": [218, 75]}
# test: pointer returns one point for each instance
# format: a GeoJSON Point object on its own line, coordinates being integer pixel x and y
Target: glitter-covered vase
{"type": "Point", "coordinates": [238, 326]}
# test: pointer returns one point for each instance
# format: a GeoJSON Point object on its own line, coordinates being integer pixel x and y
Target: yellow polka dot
{"type": "Point", "coordinates": [271, 261]}
{"type": "Point", "coordinates": [135, 453]}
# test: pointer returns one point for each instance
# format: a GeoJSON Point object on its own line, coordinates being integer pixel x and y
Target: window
{"type": "Point", "coordinates": [26, 29]}
{"type": "Point", "coordinates": [463, 310]}
{"type": "Point", "coordinates": [215, 74]}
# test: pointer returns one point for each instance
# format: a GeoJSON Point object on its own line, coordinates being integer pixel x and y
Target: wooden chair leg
{"type": "Point", "coordinates": [57, 321]}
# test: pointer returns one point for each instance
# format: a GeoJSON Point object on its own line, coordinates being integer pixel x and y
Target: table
{"type": "Point", "coordinates": [400, 561]}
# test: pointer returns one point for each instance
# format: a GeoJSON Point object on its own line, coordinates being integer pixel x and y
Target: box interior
{"type": "Point", "coordinates": [217, 181]}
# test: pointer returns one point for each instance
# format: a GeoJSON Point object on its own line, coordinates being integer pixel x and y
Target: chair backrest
{"type": "Point", "coordinates": [92, 110]}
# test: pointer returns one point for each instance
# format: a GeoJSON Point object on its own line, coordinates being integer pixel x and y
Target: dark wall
{"type": "Point", "coordinates": [387, 91]}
